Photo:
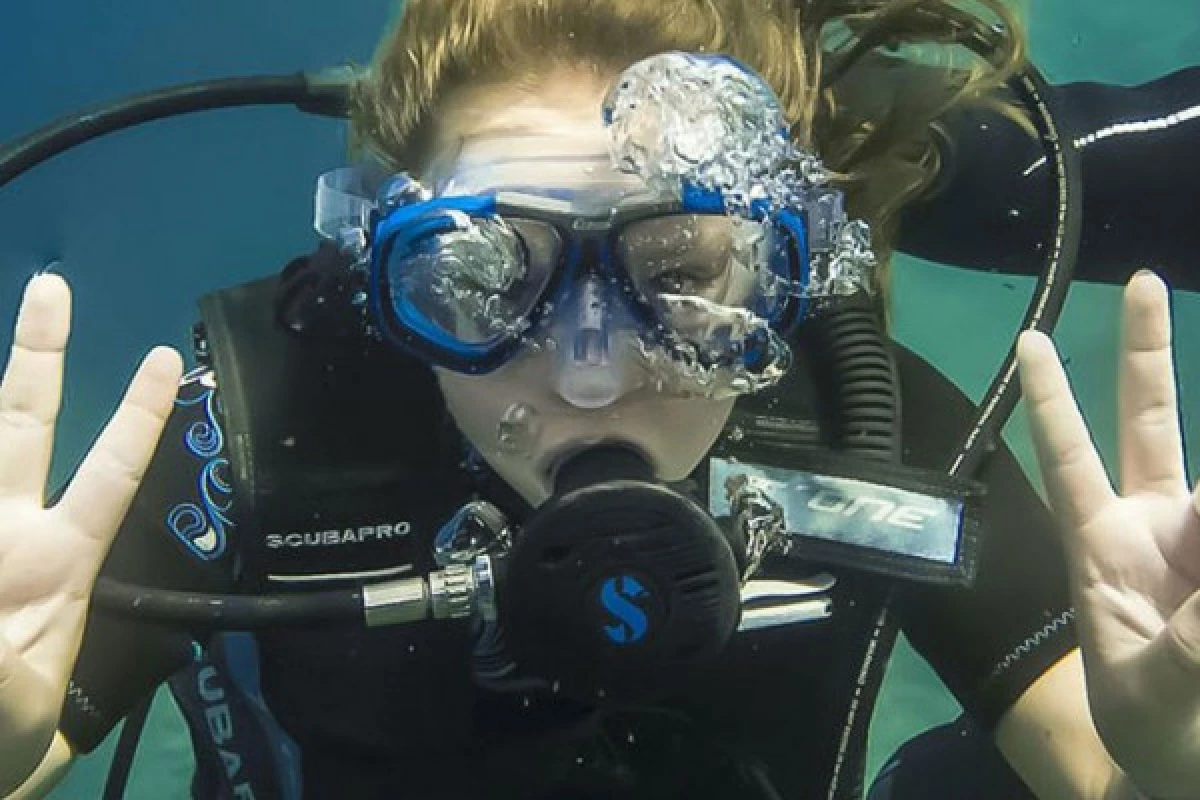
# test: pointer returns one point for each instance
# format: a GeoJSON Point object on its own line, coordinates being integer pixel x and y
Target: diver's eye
{"type": "Point", "coordinates": [675, 281]}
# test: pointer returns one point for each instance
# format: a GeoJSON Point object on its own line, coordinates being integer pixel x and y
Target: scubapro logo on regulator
{"type": "Point", "coordinates": [622, 597]}
{"type": "Point", "coordinates": [339, 536]}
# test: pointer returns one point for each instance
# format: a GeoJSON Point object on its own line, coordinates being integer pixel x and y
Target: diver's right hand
{"type": "Point", "coordinates": [49, 557]}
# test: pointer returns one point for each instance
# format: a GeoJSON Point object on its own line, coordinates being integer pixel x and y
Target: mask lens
{"type": "Point", "coordinates": [680, 254]}
{"type": "Point", "coordinates": [711, 278]}
{"type": "Point", "coordinates": [477, 283]}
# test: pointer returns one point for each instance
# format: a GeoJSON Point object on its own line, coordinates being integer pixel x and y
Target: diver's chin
{"type": "Point", "coordinates": [551, 465]}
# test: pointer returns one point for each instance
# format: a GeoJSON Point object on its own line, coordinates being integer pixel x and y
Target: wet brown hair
{"type": "Point", "coordinates": [863, 82]}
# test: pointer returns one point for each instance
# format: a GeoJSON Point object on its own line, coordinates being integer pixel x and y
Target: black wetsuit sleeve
{"type": "Point", "coordinates": [991, 642]}
{"type": "Point", "coordinates": [175, 536]}
{"type": "Point", "coordinates": [992, 207]}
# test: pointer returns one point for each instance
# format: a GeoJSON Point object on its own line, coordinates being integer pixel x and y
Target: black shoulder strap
{"type": "Point", "coordinates": [330, 439]}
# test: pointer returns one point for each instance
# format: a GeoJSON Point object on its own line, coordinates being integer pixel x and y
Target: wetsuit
{"type": "Point", "coordinates": [991, 206]}
{"type": "Point", "coordinates": [394, 712]}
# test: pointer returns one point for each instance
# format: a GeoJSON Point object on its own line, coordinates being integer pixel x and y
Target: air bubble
{"type": "Point", "coordinates": [519, 429]}
{"type": "Point", "coordinates": [709, 121]}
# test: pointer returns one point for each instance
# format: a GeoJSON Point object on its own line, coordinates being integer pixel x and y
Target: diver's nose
{"type": "Point", "coordinates": [590, 374]}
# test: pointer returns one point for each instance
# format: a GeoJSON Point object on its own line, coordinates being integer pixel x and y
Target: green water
{"type": "Point", "coordinates": [1076, 40]}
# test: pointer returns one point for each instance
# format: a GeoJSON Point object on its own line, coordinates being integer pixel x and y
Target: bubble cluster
{"type": "Point", "coordinates": [852, 259]}
{"type": "Point", "coordinates": [682, 119]}
{"type": "Point", "coordinates": [707, 121]}
{"type": "Point", "coordinates": [690, 369]}
{"type": "Point", "coordinates": [469, 273]}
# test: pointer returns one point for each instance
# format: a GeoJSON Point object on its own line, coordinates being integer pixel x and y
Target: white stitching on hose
{"type": "Point", "coordinates": [81, 700]}
{"type": "Point", "coordinates": [864, 674]}
{"type": "Point", "coordinates": [1039, 637]}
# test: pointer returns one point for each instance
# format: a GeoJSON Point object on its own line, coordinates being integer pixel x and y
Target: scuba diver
{"type": "Point", "coordinates": [606, 453]}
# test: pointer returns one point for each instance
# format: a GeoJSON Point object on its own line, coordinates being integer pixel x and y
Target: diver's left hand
{"type": "Point", "coordinates": [1133, 556]}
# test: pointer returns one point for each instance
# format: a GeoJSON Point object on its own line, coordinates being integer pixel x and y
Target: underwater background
{"type": "Point", "coordinates": [145, 221]}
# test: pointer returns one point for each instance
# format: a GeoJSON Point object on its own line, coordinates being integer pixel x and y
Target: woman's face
{"type": "Point", "coordinates": [524, 418]}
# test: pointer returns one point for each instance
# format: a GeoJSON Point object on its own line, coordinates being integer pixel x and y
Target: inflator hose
{"type": "Point", "coordinates": [855, 380]}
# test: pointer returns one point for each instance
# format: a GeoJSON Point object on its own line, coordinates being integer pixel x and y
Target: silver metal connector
{"type": "Point", "coordinates": [485, 589]}
{"type": "Point", "coordinates": [454, 592]}
{"type": "Point", "coordinates": [396, 602]}
{"type": "Point", "coordinates": [476, 529]}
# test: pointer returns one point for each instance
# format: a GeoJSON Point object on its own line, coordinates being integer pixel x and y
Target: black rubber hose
{"type": "Point", "coordinates": [322, 94]}
{"type": "Point", "coordinates": [229, 611]}
{"type": "Point", "coordinates": [857, 387]}
{"type": "Point", "coordinates": [1053, 282]}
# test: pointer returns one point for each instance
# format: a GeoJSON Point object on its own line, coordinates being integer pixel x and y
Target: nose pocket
{"type": "Point", "coordinates": [588, 375]}
{"type": "Point", "coordinates": [591, 348]}
{"type": "Point", "coordinates": [590, 386]}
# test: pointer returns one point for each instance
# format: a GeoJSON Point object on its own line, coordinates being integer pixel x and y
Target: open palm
{"type": "Point", "coordinates": [49, 557]}
{"type": "Point", "coordinates": [1133, 554]}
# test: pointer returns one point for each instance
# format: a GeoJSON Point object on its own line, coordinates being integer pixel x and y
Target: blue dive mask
{"type": "Point", "coordinates": [463, 281]}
